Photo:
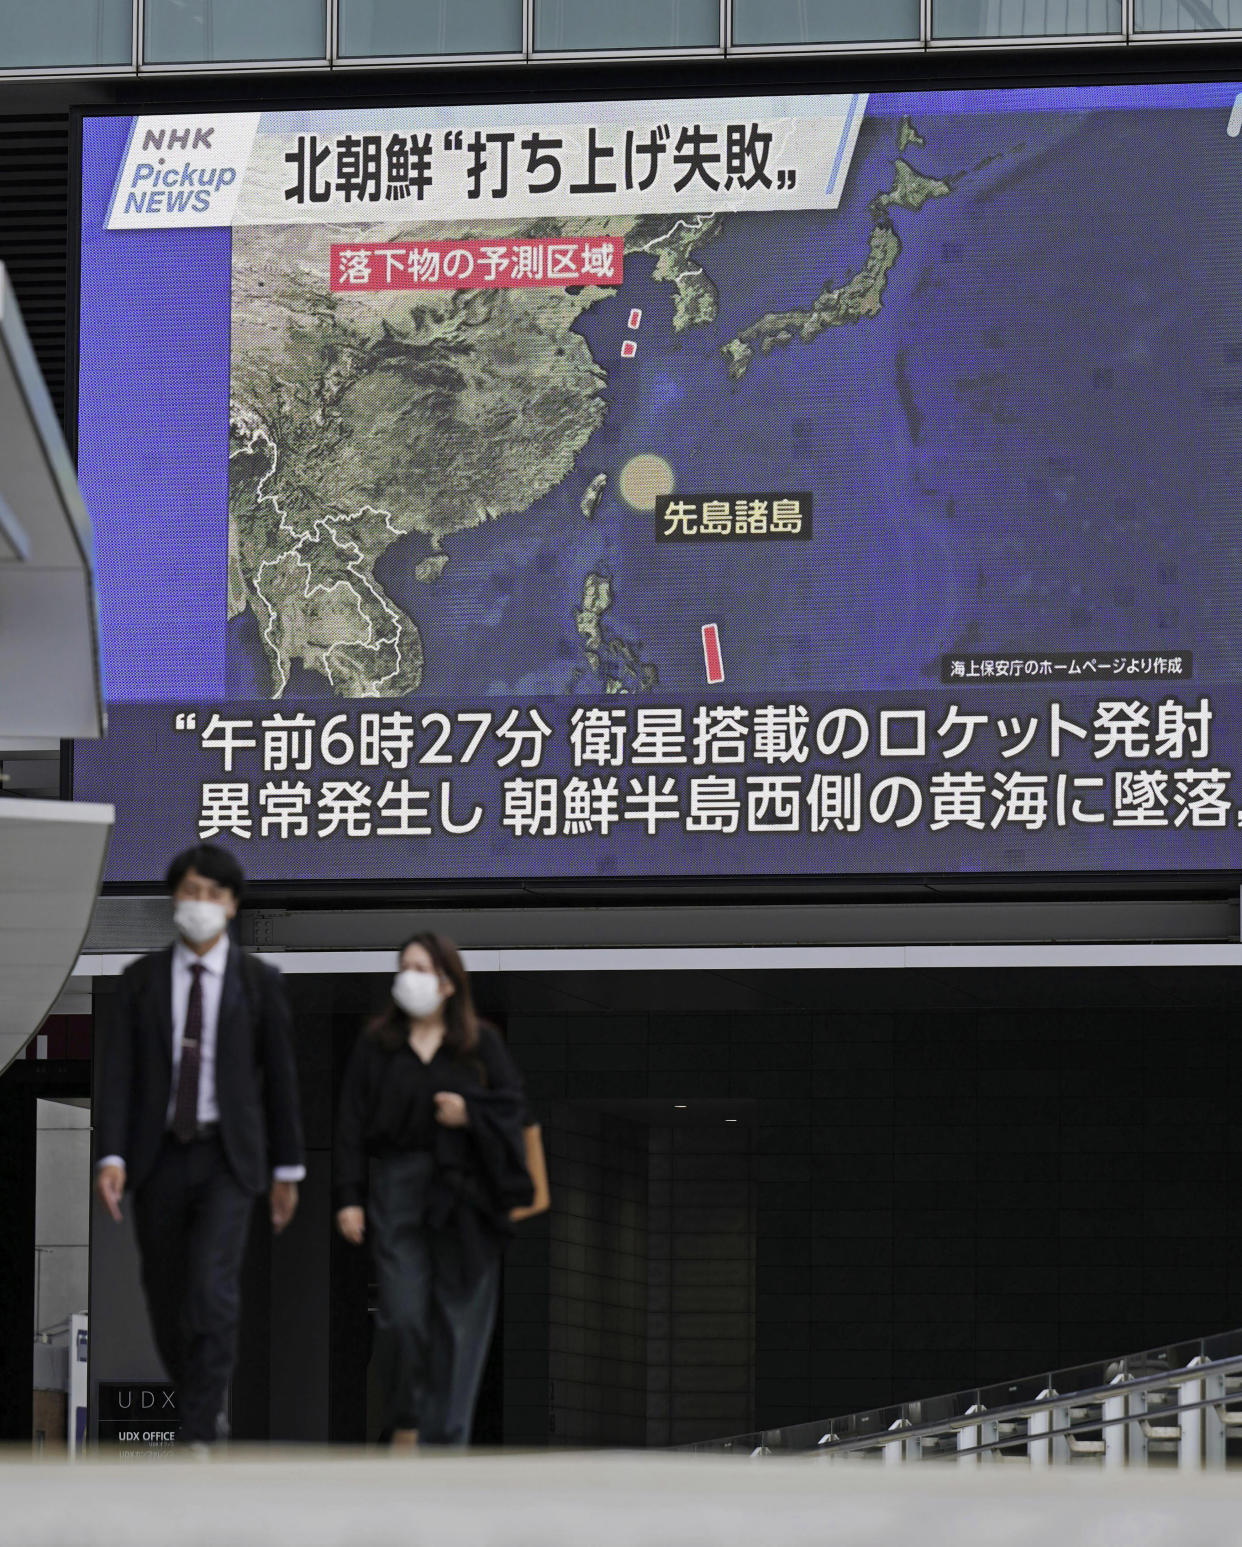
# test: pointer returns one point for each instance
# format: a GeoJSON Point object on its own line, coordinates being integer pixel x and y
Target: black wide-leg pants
{"type": "Point", "coordinates": [192, 1217]}
{"type": "Point", "coordinates": [438, 1319]}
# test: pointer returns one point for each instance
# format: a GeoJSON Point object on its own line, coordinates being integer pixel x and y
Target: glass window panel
{"type": "Point", "coordinates": [65, 33]}
{"type": "Point", "coordinates": [366, 28]}
{"type": "Point", "coordinates": [582, 24]}
{"type": "Point", "coordinates": [1187, 15]}
{"type": "Point", "coordinates": [1024, 18]}
{"type": "Point", "coordinates": [216, 31]}
{"type": "Point", "coordinates": [777, 22]}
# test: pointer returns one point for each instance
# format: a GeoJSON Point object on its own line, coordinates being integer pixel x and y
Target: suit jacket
{"type": "Point", "coordinates": [256, 1080]}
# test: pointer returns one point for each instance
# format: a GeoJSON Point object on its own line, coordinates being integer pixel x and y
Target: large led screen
{"type": "Point", "coordinates": [830, 485]}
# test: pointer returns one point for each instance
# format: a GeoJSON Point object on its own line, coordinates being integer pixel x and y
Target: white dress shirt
{"type": "Point", "coordinates": [214, 963]}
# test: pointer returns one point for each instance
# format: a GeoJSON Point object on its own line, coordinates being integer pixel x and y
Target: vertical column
{"type": "Point", "coordinates": [895, 1450]}
{"type": "Point", "coordinates": [121, 1345]}
{"type": "Point", "coordinates": [1038, 1444]}
{"type": "Point", "coordinates": [711, 1254]}
{"type": "Point", "coordinates": [1214, 1422]}
{"type": "Point", "coordinates": [598, 1320]}
{"type": "Point", "coordinates": [1136, 1429]}
{"type": "Point", "coordinates": [968, 1439]}
{"type": "Point", "coordinates": [327, 1015]}
{"type": "Point", "coordinates": [1115, 1428]}
{"type": "Point", "coordinates": [17, 1254]}
{"type": "Point", "coordinates": [537, 1040]}
{"type": "Point", "coordinates": [1190, 1422]}
{"type": "Point", "coordinates": [659, 1285]}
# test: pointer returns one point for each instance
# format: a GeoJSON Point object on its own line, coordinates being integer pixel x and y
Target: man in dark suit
{"type": "Point", "coordinates": [196, 1114]}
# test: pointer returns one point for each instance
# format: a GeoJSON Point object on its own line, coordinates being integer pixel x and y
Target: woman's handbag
{"type": "Point", "coordinates": [537, 1165]}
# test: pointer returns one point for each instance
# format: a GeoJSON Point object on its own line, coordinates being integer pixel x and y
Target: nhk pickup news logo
{"type": "Point", "coordinates": [182, 171]}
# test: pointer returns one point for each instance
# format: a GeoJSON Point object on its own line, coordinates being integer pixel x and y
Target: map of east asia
{"type": "Point", "coordinates": [357, 420]}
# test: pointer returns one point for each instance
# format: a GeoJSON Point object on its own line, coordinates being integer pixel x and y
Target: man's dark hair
{"type": "Point", "coordinates": [209, 860]}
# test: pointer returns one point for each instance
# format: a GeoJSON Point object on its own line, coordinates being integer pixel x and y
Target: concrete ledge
{"type": "Point", "coordinates": [734, 959]}
{"type": "Point", "coordinates": [327, 1499]}
{"type": "Point", "coordinates": [136, 924]}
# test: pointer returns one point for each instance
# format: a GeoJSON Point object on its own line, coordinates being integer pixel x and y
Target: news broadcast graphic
{"type": "Point", "coordinates": [813, 485]}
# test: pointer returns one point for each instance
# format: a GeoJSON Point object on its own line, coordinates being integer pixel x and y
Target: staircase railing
{"type": "Point", "coordinates": [1174, 1406]}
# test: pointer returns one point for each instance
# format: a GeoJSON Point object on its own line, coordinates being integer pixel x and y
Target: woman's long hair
{"type": "Point", "coordinates": [390, 1027]}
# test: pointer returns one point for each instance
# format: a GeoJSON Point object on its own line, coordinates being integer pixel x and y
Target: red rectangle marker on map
{"type": "Point", "coordinates": [526, 263]}
{"type": "Point", "coordinates": [711, 653]}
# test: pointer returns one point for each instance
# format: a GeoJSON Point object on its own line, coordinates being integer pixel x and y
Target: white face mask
{"type": "Point", "coordinates": [200, 921]}
{"type": "Point", "coordinates": [417, 993]}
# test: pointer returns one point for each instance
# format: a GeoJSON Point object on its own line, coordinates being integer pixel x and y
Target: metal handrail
{"type": "Point", "coordinates": [1085, 1398]}
{"type": "Point", "coordinates": [819, 1438]}
{"type": "Point", "coordinates": [1083, 1426]}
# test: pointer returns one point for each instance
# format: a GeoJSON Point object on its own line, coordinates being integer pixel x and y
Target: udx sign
{"type": "Point", "coordinates": [138, 1416]}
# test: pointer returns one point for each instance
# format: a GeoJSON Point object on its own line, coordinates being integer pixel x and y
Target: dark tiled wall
{"type": "Point", "coordinates": [650, 1270]}
{"type": "Point", "coordinates": [597, 1305]}
{"type": "Point", "coordinates": [525, 1405]}
{"type": "Point", "coordinates": [700, 1283]}
{"type": "Point", "coordinates": [957, 1177]}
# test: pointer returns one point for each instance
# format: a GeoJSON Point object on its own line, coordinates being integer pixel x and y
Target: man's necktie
{"type": "Point", "coordinates": [185, 1113]}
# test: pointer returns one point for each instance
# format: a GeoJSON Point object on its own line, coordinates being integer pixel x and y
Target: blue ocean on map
{"type": "Point", "coordinates": [999, 460]}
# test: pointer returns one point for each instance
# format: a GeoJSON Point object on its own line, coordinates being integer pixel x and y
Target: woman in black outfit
{"type": "Point", "coordinates": [433, 1102]}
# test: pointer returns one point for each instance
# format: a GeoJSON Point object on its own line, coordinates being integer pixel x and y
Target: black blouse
{"type": "Point", "coordinates": [388, 1101]}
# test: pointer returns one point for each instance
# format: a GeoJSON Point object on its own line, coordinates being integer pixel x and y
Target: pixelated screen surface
{"type": "Point", "coordinates": [802, 486]}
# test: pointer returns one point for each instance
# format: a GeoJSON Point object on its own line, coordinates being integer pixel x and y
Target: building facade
{"type": "Point", "coordinates": [822, 1136]}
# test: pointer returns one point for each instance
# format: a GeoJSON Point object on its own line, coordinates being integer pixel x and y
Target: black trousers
{"type": "Point", "coordinates": [192, 1217]}
{"type": "Point", "coordinates": [437, 1322]}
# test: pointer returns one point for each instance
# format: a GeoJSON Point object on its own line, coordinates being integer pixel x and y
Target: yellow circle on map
{"type": "Point", "coordinates": [644, 479]}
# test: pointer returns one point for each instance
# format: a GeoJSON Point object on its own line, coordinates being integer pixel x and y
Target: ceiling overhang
{"type": "Point", "coordinates": [51, 860]}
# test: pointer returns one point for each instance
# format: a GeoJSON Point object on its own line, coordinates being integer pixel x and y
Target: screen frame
{"type": "Point", "coordinates": [1024, 67]}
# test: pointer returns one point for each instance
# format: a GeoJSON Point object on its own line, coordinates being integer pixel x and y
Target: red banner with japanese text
{"type": "Point", "coordinates": [506, 264]}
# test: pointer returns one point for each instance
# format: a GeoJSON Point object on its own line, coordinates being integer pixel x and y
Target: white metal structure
{"type": "Point", "coordinates": [51, 852]}
{"type": "Point", "coordinates": [1175, 1406]}
{"type": "Point", "coordinates": [49, 687]}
